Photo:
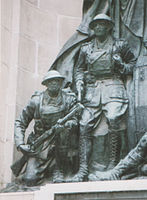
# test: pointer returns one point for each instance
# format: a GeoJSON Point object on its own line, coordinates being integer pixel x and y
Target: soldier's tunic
{"type": "Point", "coordinates": [104, 88]}
{"type": "Point", "coordinates": [45, 111]}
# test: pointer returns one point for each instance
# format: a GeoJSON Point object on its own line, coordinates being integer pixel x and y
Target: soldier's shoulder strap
{"type": "Point", "coordinates": [36, 100]}
{"type": "Point", "coordinates": [86, 45]}
{"type": "Point", "coordinates": [36, 94]}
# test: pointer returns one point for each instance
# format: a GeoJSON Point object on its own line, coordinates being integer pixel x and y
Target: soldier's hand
{"type": "Point", "coordinates": [117, 59]}
{"type": "Point", "coordinates": [58, 128]}
{"type": "Point", "coordinates": [70, 124]}
{"type": "Point", "coordinates": [59, 121]}
{"type": "Point", "coordinates": [24, 148]}
{"type": "Point", "coordinates": [142, 144]}
{"type": "Point", "coordinates": [118, 63]}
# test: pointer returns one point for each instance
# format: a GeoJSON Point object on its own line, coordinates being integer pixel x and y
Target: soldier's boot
{"type": "Point", "coordinates": [58, 172]}
{"type": "Point", "coordinates": [84, 150]}
{"type": "Point", "coordinates": [114, 142]}
{"type": "Point", "coordinates": [58, 176]}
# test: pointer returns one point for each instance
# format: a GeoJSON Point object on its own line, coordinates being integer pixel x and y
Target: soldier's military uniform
{"type": "Point", "coordinates": [104, 90]}
{"type": "Point", "coordinates": [46, 111]}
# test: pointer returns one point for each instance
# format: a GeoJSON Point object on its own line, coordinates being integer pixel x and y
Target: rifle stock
{"type": "Point", "coordinates": [48, 133]}
{"type": "Point", "coordinates": [18, 165]}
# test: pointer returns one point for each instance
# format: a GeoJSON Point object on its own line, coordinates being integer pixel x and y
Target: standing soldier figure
{"type": "Point", "coordinates": [100, 70]}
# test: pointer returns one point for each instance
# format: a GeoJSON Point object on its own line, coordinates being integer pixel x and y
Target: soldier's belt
{"type": "Point", "coordinates": [92, 78]}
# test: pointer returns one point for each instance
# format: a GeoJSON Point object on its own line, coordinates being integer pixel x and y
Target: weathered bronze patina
{"type": "Point", "coordinates": [133, 165]}
{"type": "Point", "coordinates": [99, 62]}
{"type": "Point", "coordinates": [52, 138]}
{"type": "Point", "coordinates": [101, 68]}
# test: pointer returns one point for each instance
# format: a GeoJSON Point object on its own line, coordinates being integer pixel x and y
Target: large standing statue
{"type": "Point", "coordinates": [97, 65]}
{"type": "Point", "coordinates": [101, 69]}
{"type": "Point", "coordinates": [53, 136]}
{"type": "Point", "coordinates": [130, 19]}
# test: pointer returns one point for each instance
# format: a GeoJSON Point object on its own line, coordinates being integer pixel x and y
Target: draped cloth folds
{"type": "Point", "coordinates": [133, 25]}
{"type": "Point", "coordinates": [133, 13]}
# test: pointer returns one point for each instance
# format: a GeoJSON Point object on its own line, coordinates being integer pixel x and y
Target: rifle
{"type": "Point", "coordinates": [117, 19]}
{"type": "Point", "coordinates": [79, 90]}
{"type": "Point", "coordinates": [19, 164]}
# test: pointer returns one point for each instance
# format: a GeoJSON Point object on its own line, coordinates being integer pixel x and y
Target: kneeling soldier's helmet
{"type": "Point", "coordinates": [52, 74]}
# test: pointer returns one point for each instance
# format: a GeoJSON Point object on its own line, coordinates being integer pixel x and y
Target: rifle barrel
{"type": "Point", "coordinates": [117, 19]}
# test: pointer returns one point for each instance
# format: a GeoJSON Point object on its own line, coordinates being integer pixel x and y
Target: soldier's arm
{"type": "Point", "coordinates": [70, 102]}
{"type": "Point", "coordinates": [127, 59]}
{"type": "Point", "coordinates": [79, 72]}
{"type": "Point", "coordinates": [80, 65]}
{"type": "Point", "coordinates": [23, 121]}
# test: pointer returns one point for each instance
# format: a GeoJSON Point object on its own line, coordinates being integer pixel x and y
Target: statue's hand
{"type": "Point", "coordinates": [70, 124]}
{"type": "Point", "coordinates": [142, 144]}
{"type": "Point", "coordinates": [117, 59]}
{"type": "Point", "coordinates": [24, 148]}
{"type": "Point", "coordinates": [58, 128]}
{"type": "Point", "coordinates": [118, 63]}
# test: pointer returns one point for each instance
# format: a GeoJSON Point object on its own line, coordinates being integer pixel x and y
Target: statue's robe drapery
{"type": "Point", "coordinates": [133, 25]}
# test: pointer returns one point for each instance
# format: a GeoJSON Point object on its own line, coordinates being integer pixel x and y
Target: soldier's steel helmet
{"type": "Point", "coordinates": [52, 74]}
{"type": "Point", "coordinates": [100, 17]}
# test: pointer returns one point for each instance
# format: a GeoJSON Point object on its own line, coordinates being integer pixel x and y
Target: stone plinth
{"type": "Point", "coordinates": [17, 196]}
{"type": "Point", "coordinates": [128, 190]}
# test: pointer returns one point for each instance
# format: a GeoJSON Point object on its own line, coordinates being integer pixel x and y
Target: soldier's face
{"type": "Point", "coordinates": [54, 85]}
{"type": "Point", "coordinates": [101, 28]}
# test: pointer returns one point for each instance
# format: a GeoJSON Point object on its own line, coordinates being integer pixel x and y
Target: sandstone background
{"type": "Point", "coordinates": [32, 33]}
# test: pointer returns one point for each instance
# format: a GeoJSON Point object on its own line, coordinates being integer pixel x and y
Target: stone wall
{"type": "Point", "coordinates": [33, 32]}
{"type": "Point", "coordinates": [120, 190]}
{"type": "Point", "coordinates": [8, 83]}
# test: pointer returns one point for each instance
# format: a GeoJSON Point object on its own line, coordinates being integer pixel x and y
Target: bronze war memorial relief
{"type": "Point", "coordinates": [87, 124]}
